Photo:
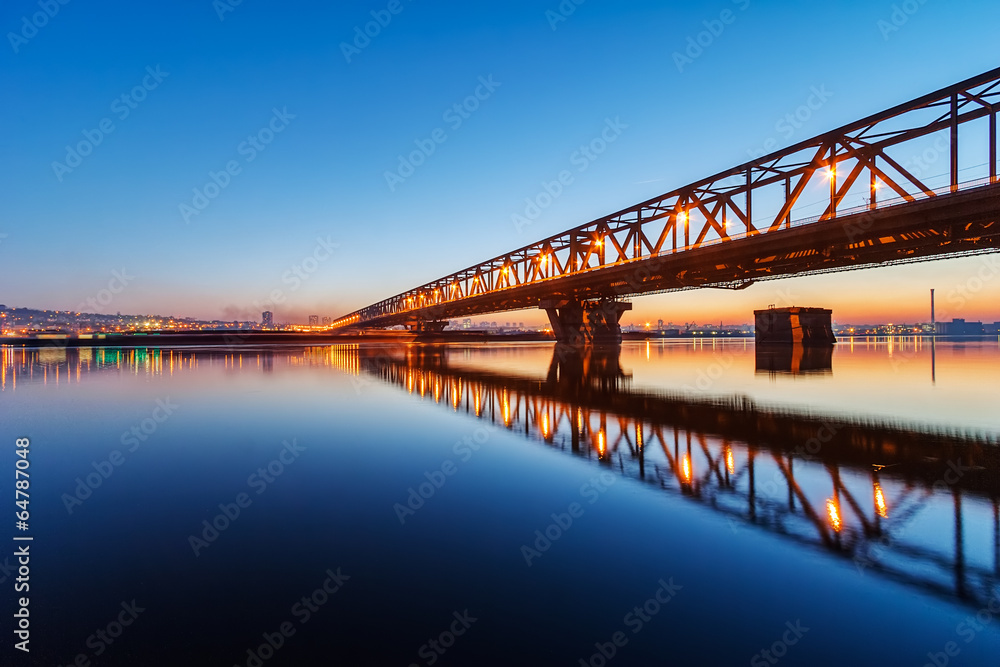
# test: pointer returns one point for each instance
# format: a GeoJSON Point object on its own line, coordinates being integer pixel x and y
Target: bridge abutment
{"type": "Point", "coordinates": [582, 323]}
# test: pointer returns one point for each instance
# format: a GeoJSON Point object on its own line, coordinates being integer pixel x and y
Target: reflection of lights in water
{"type": "Point", "coordinates": [638, 436]}
{"type": "Point", "coordinates": [730, 463]}
{"type": "Point", "coordinates": [409, 382]}
{"type": "Point", "coordinates": [423, 385]}
{"type": "Point", "coordinates": [479, 403]}
{"type": "Point", "coordinates": [834, 511]}
{"type": "Point", "coordinates": [437, 390]}
{"type": "Point", "coordinates": [506, 409]}
{"type": "Point", "coordinates": [454, 395]}
{"type": "Point", "coordinates": [686, 468]}
{"type": "Point", "coordinates": [880, 506]}
{"type": "Point", "coordinates": [600, 443]}
{"type": "Point", "coordinates": [545, 425]}
{"type": "Point", "coordinates": [579, 420]}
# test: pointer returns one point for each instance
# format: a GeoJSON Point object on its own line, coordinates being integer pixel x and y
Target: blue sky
{"type": "Point", "coordinates": [223, 76]}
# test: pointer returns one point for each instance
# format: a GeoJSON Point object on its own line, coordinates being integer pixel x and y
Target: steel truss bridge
{"type": "Point", "coordinates": [746, 224]}
{"type": "Point", "coordinates": [739, 459]}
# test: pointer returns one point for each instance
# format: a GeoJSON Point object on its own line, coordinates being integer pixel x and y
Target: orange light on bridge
{"type": "Point", "coordinates": [880, 506]}
{"type": "Point", "coordinates": [682, 217]}
{"type": "Point", "coordinates": [833, 510]}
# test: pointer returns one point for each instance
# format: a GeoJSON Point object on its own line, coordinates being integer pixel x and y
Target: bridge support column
{"type": "Point", "coordinates": [582, 323]}
{"type": "Point", "coordinates": [787, 326]}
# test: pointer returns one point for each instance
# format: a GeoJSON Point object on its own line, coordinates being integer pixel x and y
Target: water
{"type": "Point", "coordinates": [696, 503]}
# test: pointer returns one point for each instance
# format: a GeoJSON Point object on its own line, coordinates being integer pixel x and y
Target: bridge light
{"type": "Point", "coordinates": [880, 506]}
{"type": "Point", "coordinates": [834, 513]}
{"type": "Point", "coordinates": [831, 172]}
{"type": "Point", "coordinates": [682, 217]}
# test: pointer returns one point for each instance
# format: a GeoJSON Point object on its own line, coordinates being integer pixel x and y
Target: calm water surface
{"type": "Point", "coordinates": [674, 503]}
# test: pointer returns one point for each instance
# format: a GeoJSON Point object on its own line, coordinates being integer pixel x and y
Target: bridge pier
{"type": "Point", "coordinates": [799, 326]}
{"type": "Point", "coordinates": [421, 326]}
{"type": "Point", "coordinates": [582, 323]}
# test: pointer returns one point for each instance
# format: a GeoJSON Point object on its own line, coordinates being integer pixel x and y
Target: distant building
{"type": "Point", "coordinates": [314, 320]}
{"type": "Point", "coordinates": [992, 329]}
{"type": "Point", "coordinates": [267, 319]}
{"type": "Point", "coordinates": [326, 321]}
{"type": "Point", "coordinates": [467, 323]}
{"type": "Point", "coordinates": [959, 327]}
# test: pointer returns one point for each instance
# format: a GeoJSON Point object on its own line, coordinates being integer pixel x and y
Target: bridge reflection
{"type": "Point", "coordinates": [893, 501]}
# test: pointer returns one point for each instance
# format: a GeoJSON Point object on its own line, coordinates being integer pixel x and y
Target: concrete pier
{"type": "Point", "coordinates": [795, 325]}
{"type": "Point", "coordinates": [585, 322]}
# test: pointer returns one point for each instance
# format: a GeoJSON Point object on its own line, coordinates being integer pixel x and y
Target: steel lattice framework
{"type": "Point", "coordinates": [740, 225]}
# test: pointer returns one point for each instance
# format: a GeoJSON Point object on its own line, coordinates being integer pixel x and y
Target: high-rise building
{"type": "Point", "coordinates": [314, 320]}
{"type": "Point", "coordinates": [267, 319]}
{"type": "Point", "coordinates": [326, 321]}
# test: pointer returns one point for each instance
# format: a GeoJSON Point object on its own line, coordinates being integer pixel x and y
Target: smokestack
{"type": "Point", "coordinates": [932, 308]}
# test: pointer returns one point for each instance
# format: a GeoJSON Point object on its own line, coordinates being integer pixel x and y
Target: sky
{"type": "Point", "coordinates": [215, 159]}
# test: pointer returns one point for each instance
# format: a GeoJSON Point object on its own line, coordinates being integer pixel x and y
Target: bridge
{"type": "Point", "coordinates": [748, 224]}
{"type": "Point", "coordinates": [847, 486]}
